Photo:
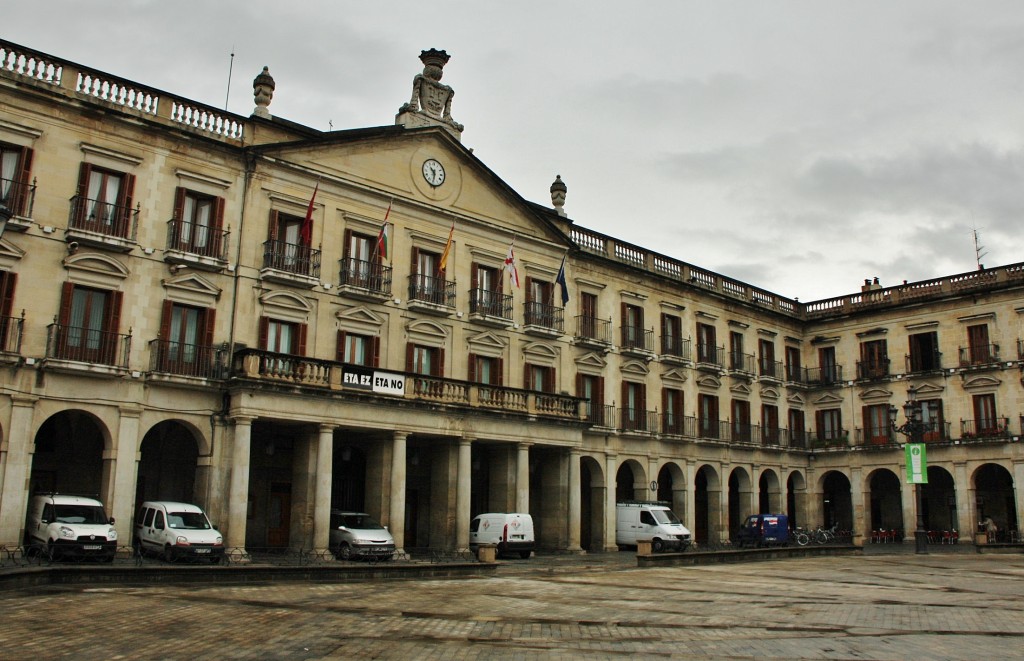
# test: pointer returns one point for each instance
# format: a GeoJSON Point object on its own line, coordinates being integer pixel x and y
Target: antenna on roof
{"type": "Point", "coordinates": [231, 66]}
{"type": "Point", "coordinates": [978, 254]}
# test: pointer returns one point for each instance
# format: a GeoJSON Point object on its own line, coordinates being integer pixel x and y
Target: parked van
{"type": "Point", "coordinates": [359, 535]}
{"type": "Point", "coordinates": [176, 531]}
{"type": "Point", "coordinates": [69, 526]}
{"type": "Point", "coordinates": [654, 522]}
{"type": "Point", "coordinates": [511, 532]}
{"type": "Point", "coordinates": [764, 530]}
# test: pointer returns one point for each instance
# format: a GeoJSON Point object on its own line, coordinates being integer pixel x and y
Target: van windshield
{"type": "Point", "coordinates": [187, 521]}
{"type": "Point", "coordinates": [79, 514]}
{"type": "Point", "coordinates": [665, 516]}
{"type": "Point", "coordinates": [360, 522]}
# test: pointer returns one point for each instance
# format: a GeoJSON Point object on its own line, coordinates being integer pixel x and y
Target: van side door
{"type": "Point", "coordinates": [146, 529]}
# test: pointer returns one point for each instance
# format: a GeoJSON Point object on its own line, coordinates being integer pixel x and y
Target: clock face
{"type": "Point", "coordinates": [433, 172]}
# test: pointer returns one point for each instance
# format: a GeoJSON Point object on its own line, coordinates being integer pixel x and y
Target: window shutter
{"type": "Point", "coordinates": [624, 402]}
{"type": "Point", "coordinates": [664, 400]}
{"type": "Point", "coordinates": [165, 321]}
{"type": "Point", "coordinates": [275, 219]}
{"type": "Point", "coordinates": [209, 317]}
{"type": "Point", "coordinates": [439, 368]}
{"type": "Point", "coordinates": [83, 191]}
{"type": "Point", "coordinates": [300, 350]}
{"type": "Point", "coordinates": [114, 312]}
{"type": "Point", "coordinates": [529, 289]}
{"type": "Point", "coordinates": [264, 333]}
{"type": "Point", "coordinates": [819, 422]}
{"type": "Point", "coordinates": [599, 392]}
{"type": "Point", "coordinates": [125, 201]}
{"type": "Point", "coordinates": [579, 384]}
{"type": "Point", "coordinates": [346, 250]}
{"type": "Point", "coordinates": [641, 403]}
{"type": "Point", "coordinates": [21, 179]}
{"type": "Point", "coordinates": [66, 296]}
{"type": "Point", "coordinates": [471, 370]}
{"type": "Point", "coordinates": [7, 282]}
{"type": "Point", "coordinates": [474, 269]}
{"type": "Point", "coordinates": [339, 349]}
{"type": "Point", "coordinates": [501, 372]}
{"type": "Point", "coordinates": [179, 203]}
{"type": "Point", "coordinates": [527, 369]}
{"type": "Point", "coordinates": [375, 342]}
{"type": "Point", "coordinates": [550, 386]}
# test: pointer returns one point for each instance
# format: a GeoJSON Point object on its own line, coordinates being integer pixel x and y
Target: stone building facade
{"type": "Point", "coordinates": [271, 320]}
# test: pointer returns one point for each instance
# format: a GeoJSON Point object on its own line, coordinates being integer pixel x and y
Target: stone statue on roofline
{"type": "Point", "coordinates": [431, 101]}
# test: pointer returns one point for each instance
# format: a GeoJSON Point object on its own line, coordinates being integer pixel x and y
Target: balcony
{"type": "Point", "coordinates": [290, 263]}
{"type": "Point", "coordinates": [199, 246]}
{"type": "Point", "coordinates": [99, 348]}
{"type": "Point", "coordinates": [924, 362]}
{"type": "Point", "coordinates": [675, 349]}
{"type": "Point", "coordinates": [19, 198]}
{"type": "Point", "coordinates": [799, 438]}
{"type": "Point", "coordinates": [11, 329]}
{"type": "Point", "coordinates": [774, 437]}
{"type": "Point", "coordinates": [678, 425]}
{"type": "Point", "coordinates": [542, 319]}
{"type": "Point", "coordinates": [190, 360]}
{"type": "Point", "coordinates": [600, 416]}
{"type": "Point", "coordinates": [593, 332]}
{"type": "Point", "coordinates": [431, 295]}
{"type": "Point", "coordinates": [491, 308]}
{"type": "Point", "coordinates": [102, 225]}
{"type": "Point", "coordinates": [796, 374]}
{"type": "Point", "coordinates": [636, 341]}
{"type": "Point", "coordinates": [876, 436]}
{"type": "Point", "coordinates": [769, 370]}
{"type": "Point", "coordinates": [829, 375]}
{"type": "Point", "coordinates": [993, 429]}
{"type": "Point", "coordinates": [710, 357]}
{"type": "Point", "coordinates": [741, 432]}
{"type": "Point", "coordinates": [637, 421]}
{"type": "Point", "coordinates": [364, 280]}
{"type": "Point", "coordinates": [837, 438]}
{"type": "Point", "coordinates": [872, 370]}
{"type": "Point", "coordinates": [744, 364]}
{"type": "Point", "coordinates": [980, 355]}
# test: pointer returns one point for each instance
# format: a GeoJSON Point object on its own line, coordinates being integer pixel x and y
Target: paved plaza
{"type": "Point", "coordinates": [940, 606]}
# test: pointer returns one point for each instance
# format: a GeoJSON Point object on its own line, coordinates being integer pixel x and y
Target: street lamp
{"type": "Point", "coordinates": [914, 429]}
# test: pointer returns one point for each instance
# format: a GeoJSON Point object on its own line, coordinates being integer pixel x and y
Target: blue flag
{"type": "Point", "coordinates": [560, 279]}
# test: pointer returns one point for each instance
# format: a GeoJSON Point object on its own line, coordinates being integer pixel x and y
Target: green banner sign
{"type": "Point", "coordinates": [917, 463]}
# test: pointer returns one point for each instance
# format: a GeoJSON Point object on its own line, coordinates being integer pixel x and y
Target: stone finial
{"type": "Point", "coordinates": [263, 91]}
{"type": "Point", "coordinates": [558, 189]}
{"type": "Point", "coordinates": [431, 101]}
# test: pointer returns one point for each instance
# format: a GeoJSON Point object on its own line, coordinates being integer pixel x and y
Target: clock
{"type": "Point", "coordinates": [433, 172]}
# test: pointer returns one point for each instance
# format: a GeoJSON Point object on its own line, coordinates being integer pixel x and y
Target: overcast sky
{"type": "Point", "coordinates": [799, 146]}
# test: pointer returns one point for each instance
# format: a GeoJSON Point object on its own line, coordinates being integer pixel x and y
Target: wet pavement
{"type": "Point", "coordinates": [598, 606]}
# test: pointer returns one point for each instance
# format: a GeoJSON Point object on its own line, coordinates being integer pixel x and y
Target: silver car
{"type": "Point", "coordinates": [359, 535]}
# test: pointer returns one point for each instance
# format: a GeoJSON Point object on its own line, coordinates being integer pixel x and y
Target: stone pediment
{"type": "Point", "coordinates": [828, 399]}
{"type": "Point", "coordinates": [740, 389]}
{"type": "Point", "coordinates": [674, 374]}
{"type": "Point", "coordinates": [591, 360]}
{"type": "Point", "coordinates": [487, 341]}
{"type": "Point", "coordinates": [286, 305]}
{"type": "Point", "coordinates": [9, 254]}
{"type": "Point", "coordinates": [796, 399]}
{"type": "Point", "coordinates": [540, 350]}
{"type": "Point", "coordinates": [709, 381]}
{"type": "Point", "coordinates": [192, 288]}
{"type": "Point", "coordinates": [770, 393]}
{"type": "Point", "coordinates": [980, 382]}
{"type": "Point", "coordinates": [95, 269]}
{"type": "Point", "coordinates": [928, 391]}
{"type": "Point", "coordinates": [426, 329]}
{"type": "Point", "coordinates": [875, 394]}
{"type": "Point", "coordinates": [360, 318]}
{"type": "Point", "coordinates": [635, 367]}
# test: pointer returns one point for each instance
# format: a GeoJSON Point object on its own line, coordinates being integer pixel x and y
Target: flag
{"type": "Point", "coordinates": [560, 279]}
{"type": "Point", "coordinates": [306, 231]}
{"type": "Point", "coordinates": [382, 237]}
{"type": "Point", "coordinates": [510, 266]}
{"type": "Point", "coordinates": [447, 250]}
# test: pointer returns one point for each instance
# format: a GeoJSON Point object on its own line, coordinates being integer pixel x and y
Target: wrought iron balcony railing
{"type": "Point", "coordinates": [490, 303]}
{"type": "Point", "coordinates": [180, 359]}
{"type": "Point", "coordinates": [88, 345]}
{"type": "Point", "coordinates": [602, 416]}
{"type": "Point", "coordinates": [112, 220]}
{"type": "Point", "coordinates": [635, 338]}
{"type": "Point", "coordinates": [543, 315]}
{"type": "Point", "coordinates": [197, 239]}
{"type": "Point", "coordinates": [18, 197]}
{"type": "Point", "coordinates": [675, 346]}
{"type": "Point", "coordinates": [744, 363]}
{"type": "Point", "coordinates": [678, 425]}
{"type": "Point", "coordinates": [372, 277]}
{"type": "Point", "coordinates": [291, 258]}
{"type": "Point", "coordinates": [638, 420]}
{"type": "Point", "coordinates": [926, 361]}
{"type": "Point", "coordinates": [873, 369]}
{"type": "Point", "coordinates": [593, 329]}
{"type": "Point", "coordinates": [769, 369]}
{"type": "Point", "coordinates": [428, 289]}
{"type": "Point", "coordinates": [829, 375]}
{"type": "Point", "coordinates": [710, 355]}
{"type": "Point", "coordinates": [998, 427]}
{"type": "Point", "coordinates": [980, 354]}
{"type": "Point", "coordinates": [11, 329]}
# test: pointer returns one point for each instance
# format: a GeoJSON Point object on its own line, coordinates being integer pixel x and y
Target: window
{"type": "Point", "coordinates": [588, 315]}
{"type": "Point", "coordinates": [707, 412]}
{"type": "Point", "coordinates": [539, 378]}
{"type": "Point", "coordinates": [874, 360]}
{"type": "Point", "coordinates": [797, 427]}
{"type": "Point", "coordinates": [741, 421]}
{"type": "Point", "coordinates": [672, 405]}
{"type": "Point", "coordinates": [186, 340]}
{"type": "Point", "coordinates": [286, 250]}
{"type": "Point", "coordinates": [632, 326]}
{"type": "Point", "coordinates": [985, 421]}
{"type": "Point", "coordinates": [591, 388]}
{"type": "Point", "coordinates": [793, 364]}
{"type": "Point", "coordinates": [540, 308]}
{"type": "Point", "coordinates": [282, 336]}
{"type": "Point", "coordinates": [197, 222]}
{"type": "Point", "coordinates": [706, 344]}
{"type": "Point", "coordinates": [9, 327]}
{"type": "Point", "coordinates": [931, 416]}
{"type": "Point", "coordinates": [357, 349]}
{"type": "Point", "coordinates": [979, 350]}
{"type": "Point", "coordinates": [766, 348]}
{"type": "Point", "coordinates": [827, 365]}
{"type": "Point", "coordinates": [924, 352]}
{"type": "Point", "coordinates": [88, 323]}
{"type": "Point", "coordinates": [876, 424]}
{"type": "Point", "coordinates": [770, 423]}
{"type": "Point", "coordinates": [428, 361]}
{"type": "Point", "coordinates": [830, 425]}
{"type": "Point", "coordinates": [486, 370]}
{"type": "Point", "coordinates": [736, 357]}
{"type": "Point", "coordinates": [104, 201]}
{"type": "Point", "coordinates": [672, 335]}
{"type": "Point", "coordinates": [634, 406]}
{"type": "Point", "coordinates": [15, 168]}
{"type": "Point", "coordinates": [427, 282]}
{"type": "Point", "coordinates": [486, 293]}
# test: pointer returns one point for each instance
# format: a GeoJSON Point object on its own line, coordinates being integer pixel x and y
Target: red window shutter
{"type": "Point", "coordinates": [66, 296]}
{"type": "Point", "coordinates": [501, 372]}
{"type": "Point", "coordinates": [410, 353]}
{"type": "Point", "coordinates": [218, 216]}
{"type": "Point", "coordinates": [599, 392]}
{"type": "Point", "coordinates": [550, 385]}
{"type": "Point", "coordinates": [83, 192]}
{"type": "Point", "coordinates": [471, 373]}
{"type": "Point", "coordinates": [622, 314]}
{"type": "Point", "coordinates": [664, 400]}
{"type": "Point", "coordinates": [439, 368]}
{"type": "Point", "coordinates": [339, 351]}
{"type": "Point", "coordinates": [300, 350]}
{"type": "Point", "coordinates": [527, 368]}
{"type": "Point", "coordinates": [264, 333]}
{"type": "Point", "coordinates": [113, 320]}
{"type": "Point", "coordinates": [625, 395]}
{"type": "Point", "coordinates": [819, 420]}
{"type": "Point", "coordinates": [375, 342]}
{"type": "Point", "coordinates": [21, 180]}
{"type": "Point", "coordinates": [347, 246]}
{"type": "Point", "coordinates": [165, 321]}
{"type": "Point", "coordinates": [275, 219]}
{"type": "Point", "coordinates": [179, 203]}
{"type": "Point", "coordinates": [579, 384]}
{"type": "Point", "coordinates": [209, 316]}
{"type": "Point", "coordinates": [125, 201]}
{"type": "Point", "coordinates": [641, 403]}
{"type": "Point", "coordinates": [529, 289]}
{"type": "Point", "coordinates": [7, 282]}
{"type": "Point", "coordinates": [474, 269]}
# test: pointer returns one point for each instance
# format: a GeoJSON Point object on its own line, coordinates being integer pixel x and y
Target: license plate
{"type": "Point", "coordinates": [518, 536]}
{"type": "Point", "coordinates": [91, 547]}
{"type": "Point", "coordinates": [202, 550]}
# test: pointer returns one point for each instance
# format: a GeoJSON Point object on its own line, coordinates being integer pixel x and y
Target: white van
{"type": "Point", "coordinates": [359, 535]}
{"type": "Point", "coordinates": [654, 522]}
{"type": "Point", "coordinates": [175, 531]}
{"type": "Point", "coordinates": [69, 526]}
{"type": "Point", "coordinates": [511, 532]}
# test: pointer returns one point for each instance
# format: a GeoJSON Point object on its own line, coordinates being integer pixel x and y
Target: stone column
{"type": "Point", "coordinates": [523, 478]}
{"type": "Point", "coordinates": [966, 501]}
{"type": "Point", "coordinates": [324, 482]}
{"type": "Point", "coordinates": [574, 501]}
{"type": "Point", "coordinates": [238, 495]}
{"type": "Point", "coordinates": [464, 485]}
{"type": "Point", "coordinates": [20, 446]}
{"type": "Point", "coordinates": [120, 501]}
{"type": "Point", "coordinates": [909, 509]}
{"type": "Point", "coordinates": [1018, 491]}
{"type": "Point", "coordinates": [858, 501]}
{"type": "Point", "coordinates": [609, 512]}
{"type": "Point", "coordinates": [690, 511]}
{"type": "Point", "coordinates": [397, 497]}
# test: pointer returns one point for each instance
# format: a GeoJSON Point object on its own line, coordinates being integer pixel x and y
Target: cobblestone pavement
{"type": "Point", "coordinates": [954, 606]}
